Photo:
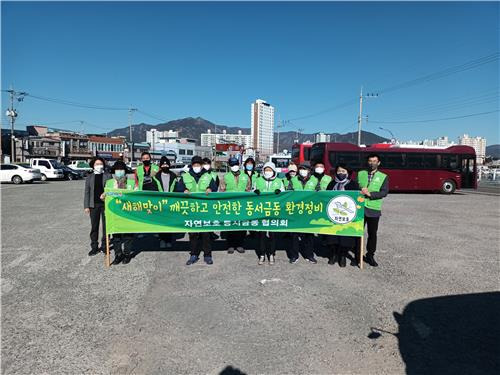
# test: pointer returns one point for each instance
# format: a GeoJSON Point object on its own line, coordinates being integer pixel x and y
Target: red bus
{"type": "Point", "coordinates": [409, 168]}
{"type": "Point", "coordinates": [301, 153]}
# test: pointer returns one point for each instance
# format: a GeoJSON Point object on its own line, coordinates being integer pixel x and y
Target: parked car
{"type": "Point", "coordinates": [81, 166]}
{"type": "Point", "coordinates": [70, 174]}
{"type": "Point", "coordinates": [19, 173]}
{"type": "Point", "coordinates": [48, 168]}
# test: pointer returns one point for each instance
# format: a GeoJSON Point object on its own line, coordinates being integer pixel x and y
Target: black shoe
{"type": "Point", "coordinates": [331, 260]}
{"type": "Point", "coordinates": [370, 260]}
{"type": "Point", "coordinates": [118, 259]}
{"type": "Point", "coordinates": [126, 259]}
{"type": "Point", "coordinates": [342, 260]}
{"type": "Point", "coordinates": [93, 252]}
{"type": "Point", "coordinates": [312, 260]}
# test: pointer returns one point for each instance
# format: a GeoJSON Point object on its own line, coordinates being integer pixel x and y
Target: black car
{"type": "Point", "coordinates": [70, 174]}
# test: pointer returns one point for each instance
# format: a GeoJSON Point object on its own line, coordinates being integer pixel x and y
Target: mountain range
{"type": "Point", "coordinates": [191, 127]}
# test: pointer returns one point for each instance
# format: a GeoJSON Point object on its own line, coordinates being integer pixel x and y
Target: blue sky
{"type": "Point", "coordinates": [212, 60]}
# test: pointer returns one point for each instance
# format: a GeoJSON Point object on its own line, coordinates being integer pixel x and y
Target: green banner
{"type": "Point", "coordinates": [324, 212]}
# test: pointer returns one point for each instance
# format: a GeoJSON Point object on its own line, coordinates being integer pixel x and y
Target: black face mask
{"type": "Point", "coordinates": [165, 169]}
{"type": "Point", "coordinates": [146, 163]}
{"type": "Point", "coordinates": [372, 166]}
{"type": "Point", "coordinates": [341, 176]}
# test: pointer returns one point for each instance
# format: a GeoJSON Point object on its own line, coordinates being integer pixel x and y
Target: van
{"type": "Point", "coordinates": [48, 168]}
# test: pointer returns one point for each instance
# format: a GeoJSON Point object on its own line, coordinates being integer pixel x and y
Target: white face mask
{"type": "Point", "coordinates": [98, 168]}
{"type": "Point", "coordinates": [319, 170]}
{"type": "Point", "coordinates": [206, 166]}
{"type": "Point", "coordinates": [235, 168]}
{"type": "Point", "coordinates": [303, 173]}
{"type": "Point", "coordinates": [197, 169]}
{"type": "Point", "coordinates": [268, 174]}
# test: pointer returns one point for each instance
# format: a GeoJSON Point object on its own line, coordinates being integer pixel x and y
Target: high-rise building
{"type": "Point", "coordinates": [210, 139]}
{"type": "Point", "coordinates": [321, 137]}
{"type": "Point", "coordinates": [262, 127]}
{"type": "Point", "coordinates": [477, 143]}
{"type": "Point", "coordinates": [157, 136]}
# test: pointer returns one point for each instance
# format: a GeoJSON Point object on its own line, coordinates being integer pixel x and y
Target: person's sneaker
{"type": "Point", "coordinates": [293, 260]}
{"type": "Point", "coordinates": [312, 260]}
{"type": "Point", "coordinates": [208, 260]}
{"type": "Point", "coordinates": [126, 259]}
{"type": "Point", "coordinates": [370, 259]}
{"type": "Point", "coordinates": [262, 260]}
{"type": "Point", "coordinates": [93, 252]}
{"type": "Point", "coordinates": [271, 260]}
{"type": "Point", "coordinates": [192, 259]}
{"type": "Point", "coordinates": [163, 244]}
{"type": "Point", "coordinates": [332, 260]}
{"type": "Point", "coordinates": [240, 249]}
{"type": "Point", "coordinates": [230, 250]}
{"type": "Point", "coordinates": [169, 245]}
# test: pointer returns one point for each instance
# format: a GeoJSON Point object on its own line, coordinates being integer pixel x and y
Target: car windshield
{"type": "Point", "coordinates": [24, 165]}
{"type": "Point", "coordinates": [55, 164]}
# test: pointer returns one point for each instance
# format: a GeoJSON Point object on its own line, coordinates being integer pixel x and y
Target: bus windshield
{"type": "Point", "coordinates": [281, 162]}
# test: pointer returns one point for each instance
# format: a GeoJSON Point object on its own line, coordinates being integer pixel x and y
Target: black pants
{"type": "Point", "coordinates": [167, 237]}
{"type": "Point", "coordinates": [122, 244]}
{"type": "Point", "coordinates": [97, 217]}
{"type": "Point", "coordinates": [236, 238]}
{"type": "Point", "coordinates": [206, 243]}
{"type": "Point", "coordinates": [267, 244]}
{"type": "Point", "coordinates": [372, 225]}
{"type": "Point", "coordinates": [302, 243]}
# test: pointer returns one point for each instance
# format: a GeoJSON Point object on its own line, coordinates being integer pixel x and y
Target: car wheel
{"type": "Point", "coordinates": [44, 178]}
{"type": "Point", "coordinates": [448, 187]}
{"type": "Point", "coordinates": [17, 180]}
{"type": "Point", "coordinates": [70, 177]}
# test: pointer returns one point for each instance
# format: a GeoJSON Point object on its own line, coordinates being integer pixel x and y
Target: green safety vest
{"type": "Point", "coordinates": [153, 169]}
{"type": "Point", "coordinates": [323, 183]}
{"type": "Point", "coordinates": [230, 182]}
{"type": "Point", "coordinates": [374, 185]}
{"type": "Point", "coordinates": [213, 174]}
{"type": "Point", "coordinates": [194, 187]}
{"type": "Point", "coordinates": [310, 185]}
{"type": "Point", "coordinates": [112, 184]}
{"type": "Point", "coordinates": [260, 184]}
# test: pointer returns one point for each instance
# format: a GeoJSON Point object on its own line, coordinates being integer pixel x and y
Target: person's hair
{"type": "Point", "coordinates": [145, 153]}
{"type": "Point", "coordinates": [119, 165]}
{"type": "Point", "coordinates": [343, 166]}
{"type": "Point", "coordinates": [249, 160]}
{"type": "Point", "coordinates": [373, 156]}
{"type": "Point", "coordinates": [207, 161]}
{"type": "Point", "coordinates": [317, 162]}
{"type": "Point", "coordinates": [94, 159]}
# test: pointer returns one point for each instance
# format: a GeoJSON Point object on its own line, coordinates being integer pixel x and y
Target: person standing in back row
{"type": "Point", "coordinates": [374, 186]}
{"type": "Point", "coordinates": [145, 174]}
{"type": "Point", "coordinates": [167, 180]}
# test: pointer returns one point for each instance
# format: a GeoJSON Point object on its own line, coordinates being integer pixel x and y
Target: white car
{"type": "Point", "coordinates": [81, 166]}
{"type": "Point", "coordinates": [19, 173]}
{"type": "Point", "coordinates": [48, 168]}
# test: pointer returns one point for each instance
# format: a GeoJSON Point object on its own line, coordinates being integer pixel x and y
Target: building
{"type": "Point", "coordinates": [210, 139]}
{"type": "Point", "coordinates": [155, 136]}
{"type": "Point", "coordinates": [321, 137]}
{"type": "Point", "coordinates": [107, 147]}
{"type": "Point", "coordinates": [179, 151]}
{"type": "Point", "coordinates": [477, 143]}
{"type": "Point", "coordinates": [262, 128]}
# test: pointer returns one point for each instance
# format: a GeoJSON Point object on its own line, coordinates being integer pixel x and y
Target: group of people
{"type": "Point", "coordinates": [200, 177]}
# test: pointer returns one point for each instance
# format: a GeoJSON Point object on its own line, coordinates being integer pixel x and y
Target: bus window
{"type": "Point", "coordinates": [317, 152]}
{"type": "Point", "coordinates": [350, 159]}
{"type": "Point", "coordinates": [414, 161]}
{"type": "Point", "coordinates": [392, 160]}
{"type": "Point", "coordinates": [449, 162]}
{"type": "Point", "coordinates": [295, 152]}
{"type": "Point", "coordinates": [430, 161]}
{"type": "Point", "coordinates": [281, 162]}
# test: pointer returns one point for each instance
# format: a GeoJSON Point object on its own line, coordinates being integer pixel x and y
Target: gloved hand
{"type": "Point", "coordinates": [257, 191]}
{"type": "Point", "coordinates": [277, 191]}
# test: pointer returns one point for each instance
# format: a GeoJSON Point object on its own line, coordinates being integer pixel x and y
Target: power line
{"type": "Point", "coordinates": [76, 104]}
{"type": "Point", "coordinates": [437, 119]}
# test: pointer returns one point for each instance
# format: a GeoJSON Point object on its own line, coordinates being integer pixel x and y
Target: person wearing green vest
{"type": "Point", "coordinates": [207, 165]}
{"type": "Point", "coordinates": [249, 169]}
{"type": "Point", "coordinates": [145, 174]}
{"type": "Point", "coordinates": [120, 181]}
{"type": "Point", "coordinates": [267, 182]}
{"type": "Point", "coordinates": [198, 180]}
{"type": "Point", "coordinates": [319, 174]}
{"type": "Point", "coordinates": [235, 180]}
{"type": "Point", "coordinates": [374, 186]}
{"type": "Point", "coordinates": [167, 181]}
{"type": "Point", "coordinates": [302, 242]}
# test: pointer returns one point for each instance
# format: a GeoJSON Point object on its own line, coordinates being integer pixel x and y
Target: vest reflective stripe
{"type": "Point", "coordinates": [153, 169]}
{"type": "Point", "coordinates": [260, 184]}
{"type": "Point", "coordinates": [112, 184]}
{"type": "Point", "coordinates": [230, 182]}
{"type": "Point", "coordinates": [195, 187]}
{"type": "Point", "coordinates": [375, 185]}
{"type": "Point", "coordinates": [310, 185]}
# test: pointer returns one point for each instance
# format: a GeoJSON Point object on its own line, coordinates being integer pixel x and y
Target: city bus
{"type": "Point", "coordinates": [281, 161]}
{"type": "Point", "coordinates": [410, 168]}
{"type": "Point", "coordinates": [301, 153]}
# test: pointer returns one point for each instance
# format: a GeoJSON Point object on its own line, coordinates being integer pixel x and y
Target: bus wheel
{"type": "Point", "coordinates": [448, 187]}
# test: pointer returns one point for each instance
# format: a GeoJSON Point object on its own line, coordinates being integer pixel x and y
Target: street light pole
{"type": "Point", "coordinates": [393, 138]}
{"type": "Point", "coordinates": [130, 113]}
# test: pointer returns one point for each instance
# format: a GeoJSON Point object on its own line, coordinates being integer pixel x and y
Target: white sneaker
{"type": "Point", "coordinates": [262, 260]}
{"type": "Point", "coordinates": [271, 259]}
{"type": "Point", "coordinates": [163, 244]}
{"type": "Point", "coordinates": [230, 250]}
{"type": "Point", "coordinates": [240, 249]}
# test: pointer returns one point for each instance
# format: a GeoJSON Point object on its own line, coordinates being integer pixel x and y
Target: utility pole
{"type": "Point", "coordinates": [360, 116]}
{"type": "Point", "coordinates": [130, 114]}
{"type": "Point", "coordinates": [12, 114]}
{"type": "Point", "coordinates": [280, 124]}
